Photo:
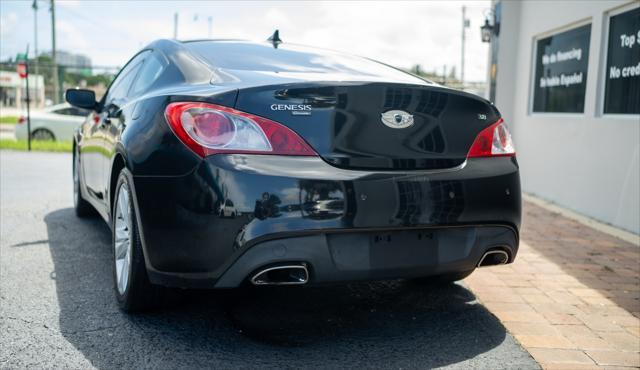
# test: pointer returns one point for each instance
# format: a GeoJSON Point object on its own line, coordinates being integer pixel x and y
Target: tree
{"type": "Point", "coordinates": [452, 73]}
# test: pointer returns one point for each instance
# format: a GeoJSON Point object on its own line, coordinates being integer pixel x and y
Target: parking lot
{"type": "Point", "coordinates": [57, 307]}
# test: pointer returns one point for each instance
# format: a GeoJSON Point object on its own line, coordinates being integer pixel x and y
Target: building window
{"type": "Point", "coordinates": [561, 67]}
{"type": "Point", "coordinates": [622, 76]}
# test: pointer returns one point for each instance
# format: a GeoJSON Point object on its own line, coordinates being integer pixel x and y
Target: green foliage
{"type": "Point", "coordinates": [104, 79]}
{"type": "Point", "coordinates": [73, 78]}
{"type": "Point", "coordinates": [39, 146]}
{"type": "Point", "coordinates": [9, 120]}
{"type": "Point", "coordinates": [435, 76]}
{"type": "Point", "coordinates": [452, 73]}
{"type": "Point", "coordinates": [418, 71]}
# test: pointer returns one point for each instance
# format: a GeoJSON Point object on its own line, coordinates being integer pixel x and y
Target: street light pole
{"type": "Point", "coordinates": [35, 43]}
{"type": "Point", "coordinates": [26, 69]}
{"type": "Point", "coordinates": [175, 25]}
{"type": "Point", "coordinates": [56, 81]}
{"type": "Point", "coordinates": [465, 24]}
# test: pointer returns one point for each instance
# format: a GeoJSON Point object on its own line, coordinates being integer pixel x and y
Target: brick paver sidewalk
{"type": "Point", "coordinates": [572, 298]}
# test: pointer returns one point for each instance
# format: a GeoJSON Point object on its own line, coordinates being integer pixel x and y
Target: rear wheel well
{"type": "Point", "coordinates": [118, 165]}
{"type": "Point", "coordinates": [44, 130]}
{"type": "Point", "coordinates": [73, 155]}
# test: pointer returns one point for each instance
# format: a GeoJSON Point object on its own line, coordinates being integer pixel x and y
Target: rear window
{"type": "Point", "coordinates": [151, 69]}
{"type": "Point", "coordinates": [291, 58]}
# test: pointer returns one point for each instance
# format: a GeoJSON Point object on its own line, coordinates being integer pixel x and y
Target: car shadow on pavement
{"type": "Point", "coordinates": [385, 324]}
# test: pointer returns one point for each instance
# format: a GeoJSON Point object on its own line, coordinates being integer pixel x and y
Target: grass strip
{"type": "Point", "coordinates": [39, 146]}
{"type": "Point", "coordinates": [11, 120]}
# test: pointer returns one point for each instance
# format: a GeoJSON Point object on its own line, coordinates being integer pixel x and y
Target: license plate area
{"type": "Point", "coordinates": [384, 250]}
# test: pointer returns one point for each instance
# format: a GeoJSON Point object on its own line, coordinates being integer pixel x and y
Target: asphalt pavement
{"type": "Point", "coordinates": [57, 308]}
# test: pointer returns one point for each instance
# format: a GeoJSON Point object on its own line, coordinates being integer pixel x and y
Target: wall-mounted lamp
{"type": "Point", "coordinates": [491, 26]}
{"type": "Point", "coordinates": [486, 31]}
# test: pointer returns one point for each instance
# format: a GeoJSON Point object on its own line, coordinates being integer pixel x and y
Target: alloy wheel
{"type": "Point", "coordinates": [42, 135]}
{"type": "Point", "coordinates": [123, 240]}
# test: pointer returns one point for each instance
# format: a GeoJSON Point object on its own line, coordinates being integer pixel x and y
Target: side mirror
{"type": "Point", "coordinates": [81, 98]}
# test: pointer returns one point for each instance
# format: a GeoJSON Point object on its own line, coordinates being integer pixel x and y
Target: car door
{"type": "Point", "coordinates": [89, 147]}
{"type": "Point", "coordinates": [150, 69]}
{"type": "Point", "coordinates": [98, 153]}
{"type": "Point", "coordinates": [65, 120]}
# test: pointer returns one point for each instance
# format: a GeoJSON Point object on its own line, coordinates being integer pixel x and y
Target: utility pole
{"type": "Point", "coordinates": [26, 68]}
{"type": "Point", "coordinates": [56, 81]}
{"type": "Point", "coordinates": [465, 25]}
{"type": "Point", "coordinates": [34, 6]}
{"type": "Point", "coordinates": [210, 21]}
{"type": "Point", "coordinates": [175, 25]}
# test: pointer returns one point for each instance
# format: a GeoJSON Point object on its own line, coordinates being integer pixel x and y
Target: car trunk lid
{"type": "Point", "coordinates": [344, 122]}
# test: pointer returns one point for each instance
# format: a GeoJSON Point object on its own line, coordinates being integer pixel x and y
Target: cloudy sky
{"type": "Point", "coordinates": [399, 33]}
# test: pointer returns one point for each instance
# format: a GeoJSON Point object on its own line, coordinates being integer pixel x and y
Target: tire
{"type": "Point", "coordinates": [42, 134]}
{"type": "Point", "coordinates": [443, 278]}
{"type": "Point", "coordinates": [134, 292]}
{"type": "Point", "coordinates": [82, 207]}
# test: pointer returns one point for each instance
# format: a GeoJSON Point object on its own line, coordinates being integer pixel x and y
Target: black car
{"type": "Point", "coordinates": [219, 162]}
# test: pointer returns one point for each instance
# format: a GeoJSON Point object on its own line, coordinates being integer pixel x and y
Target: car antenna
{"type": "Point", "coordinates": [275, 39]}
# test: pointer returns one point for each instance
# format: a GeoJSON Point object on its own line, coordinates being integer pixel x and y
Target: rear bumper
{"type": "Point", "coordinates": [375, 255]}
{"type": "Point", "coordinates": [226, 218]}
{"type": "Point", "coordinates": [20, 131]}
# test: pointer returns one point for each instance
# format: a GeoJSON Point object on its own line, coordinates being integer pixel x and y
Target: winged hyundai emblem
{"type": "Point", "coordinates": [397, 119]}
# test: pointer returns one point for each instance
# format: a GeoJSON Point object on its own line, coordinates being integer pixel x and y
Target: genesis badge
{"type": "Point", "coordinates": [397, 119]}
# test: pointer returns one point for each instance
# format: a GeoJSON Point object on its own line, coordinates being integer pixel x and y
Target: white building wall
{"type": "Point", "coordinates": [585, 162]}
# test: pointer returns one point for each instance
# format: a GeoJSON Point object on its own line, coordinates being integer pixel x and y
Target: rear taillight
{"type": "Point", "coordinates": [493, 141]}
{"type": "Point", "coordinates": [211, 129]}
{"type": "Point", "coordinates": [22, 120]}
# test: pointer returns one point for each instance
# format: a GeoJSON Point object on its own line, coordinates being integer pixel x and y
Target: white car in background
{"type": "Point", "coordinates": [56, 122]}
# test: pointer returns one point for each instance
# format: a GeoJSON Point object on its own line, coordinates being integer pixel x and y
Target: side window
{"type": "Point", "coordinates": [151, 69]}
{"type": "Point", "coordinates": [120, 87]}
{"type": "Point", "coordinates": [63, 111]}
{"type": "Point", "coordinates": [72, 111]}
{"type": "Point", "coordinates": [79, 112]}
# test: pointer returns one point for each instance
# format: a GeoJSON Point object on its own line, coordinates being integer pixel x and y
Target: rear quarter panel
{"type": "Point", "coordinates": [148, 143]}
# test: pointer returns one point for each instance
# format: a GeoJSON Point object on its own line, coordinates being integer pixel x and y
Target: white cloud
{"type": "Point", "coordinates": [70, 3]}
{"type": "Point", "coordinates": [402, 34]}
{"type": "Point", "coordinates": [71, 33]}
{"type": "Point", "coordinates": [398, 33]}
{"type": "Point", "coordinates": [7, 24]}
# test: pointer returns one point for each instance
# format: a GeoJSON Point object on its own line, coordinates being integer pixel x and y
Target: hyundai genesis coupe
{"type": "Point", "coordinates": [218, 163]}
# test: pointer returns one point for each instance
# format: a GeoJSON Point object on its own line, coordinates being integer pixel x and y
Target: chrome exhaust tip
{"type": "Point", "coordinates": [494, 257]}
{"type": "Point", "coordinates": [291, 274]}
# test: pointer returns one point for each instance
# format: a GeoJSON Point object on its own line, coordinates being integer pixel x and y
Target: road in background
{"type": "Point", "coordinates": [57, 307]}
